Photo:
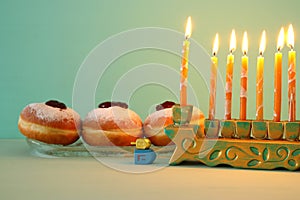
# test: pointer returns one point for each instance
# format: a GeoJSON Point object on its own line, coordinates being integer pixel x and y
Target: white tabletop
{"type": "Point", "coordinates": [24, 175]}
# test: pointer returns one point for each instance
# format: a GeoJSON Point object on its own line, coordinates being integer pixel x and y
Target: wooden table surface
{"type": "Point", "coordinates": [24, 175]}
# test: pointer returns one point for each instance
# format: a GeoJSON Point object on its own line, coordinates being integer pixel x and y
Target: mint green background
{"type": "Point", "coordinates": [43, 44]}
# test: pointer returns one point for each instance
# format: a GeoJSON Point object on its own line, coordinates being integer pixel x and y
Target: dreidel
{"type": "Point", "coordinates": [143, 155]}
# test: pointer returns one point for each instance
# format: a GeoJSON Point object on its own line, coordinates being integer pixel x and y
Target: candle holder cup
{"type": "Point", "coordinates": [243, 129]}
{"type": "Point", "coordinates": [211, 128]}
{"type": "Point", "coordinates": [227, 128]}
{"type": "Point", "coordinates": [259, 130]}
{"type": "Point", "coordinates": [291, 130]}
{"type": "Point", "coordinates": [182, 114]}
{"type": "Point", "coordinates": [275, 130]}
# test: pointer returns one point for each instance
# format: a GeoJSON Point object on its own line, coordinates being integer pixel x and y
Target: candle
{"type": "Point", "coordinates": [277, 77]}
{"type": "Point", "coordinates": [260, 79]}
{"type": "Point", "coordinates": [229, 76]}
{"type": "Point", "coordinates": [291, 76]}
{"type": "Point", "coordinates": [213, 79]}
{"type": "Point", "coordinates": [244, 79]}
{"type": "Point", "coordinates": [184, 63]}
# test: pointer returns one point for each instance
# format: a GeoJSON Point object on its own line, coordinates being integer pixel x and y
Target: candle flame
{"type": "Point", "coordinates": [188, 28]}
{"type": "Point", "coordinates": [232, 41]}
{"type": "Point", "coordinates": [216, 45]}
{"type": "Point", "coordinates": [262, 45]}
{"type": "Point", "coordinates": [245, 43]}
{"type": "Point", "coordinates": [290, 39]}
{"type": "Point", "coordinates": [280, 41]}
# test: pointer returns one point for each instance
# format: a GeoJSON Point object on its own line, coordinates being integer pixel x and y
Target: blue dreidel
{"type": "Point", "coordinates": [144, 156]}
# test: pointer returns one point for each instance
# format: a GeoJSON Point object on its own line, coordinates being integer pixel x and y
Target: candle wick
{"type": "Point", "coordinates": [261, 53]}
{"type": "Point", "coordinates": [231, 51]}
{"type": "Point", "coordinates": [278, 49]}
{"type": "Point", "coordinates": [214, 53]}
{"type": "Point", "coordinates": [245, 53]}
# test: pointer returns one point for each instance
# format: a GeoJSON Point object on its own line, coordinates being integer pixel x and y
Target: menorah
{"type": "Point", "coordinates": [237, 143]}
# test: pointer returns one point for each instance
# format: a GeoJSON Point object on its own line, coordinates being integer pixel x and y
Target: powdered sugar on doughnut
{"type": "Point", "coordinates": [159, 119]}
{"type": "Point", "coordinates": [49, 113]}
{"type": "Point", "coordinates": [42, 114]}
{"type": "Point", "coordinates": [112, 118]}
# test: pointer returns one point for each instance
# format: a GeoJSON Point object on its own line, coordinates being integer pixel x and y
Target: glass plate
{"type": "Point", "coordinates": [81, 149]}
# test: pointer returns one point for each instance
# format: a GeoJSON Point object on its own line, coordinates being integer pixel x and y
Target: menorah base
{"type": "Point", "coordinates": [236, 152]}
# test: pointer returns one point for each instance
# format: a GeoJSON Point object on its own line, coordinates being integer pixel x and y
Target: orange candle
{"type": "Point", "coordinates": [213, 80]}
{"type": "Point", "coordinates": [229, 76]}
{"type": "Point", "coordinates": [244, 79]}
{"type": "Point", "coordinates": [260, 79]}
{"type": "Point", "coordinates": [291, 76]}
{"type": "Point", "coordinates": [277, 77]}
{"type": "Point", "coordinates": [184, 64]}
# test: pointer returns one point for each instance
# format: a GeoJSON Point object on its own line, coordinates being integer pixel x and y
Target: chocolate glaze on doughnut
{"type": "Point", "coordinates": [108, 104]}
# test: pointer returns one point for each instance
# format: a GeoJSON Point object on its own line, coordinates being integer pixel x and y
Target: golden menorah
{"type": "Point", "coordinates": [238, 143]}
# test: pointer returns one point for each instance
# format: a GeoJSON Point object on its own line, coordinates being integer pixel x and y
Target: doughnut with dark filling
{"type": "Point", "coordinates": [112, 123]}
{"type": "Point", "coordinates": [51, 122]}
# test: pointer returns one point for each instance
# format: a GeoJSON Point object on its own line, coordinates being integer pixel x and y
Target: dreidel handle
{"type": "Point", "coordinates": [142, 143]}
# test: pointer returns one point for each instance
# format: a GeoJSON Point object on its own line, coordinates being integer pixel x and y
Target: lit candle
{"type": "Point", "coordinates": [291, 75]}
{"type": "Point", "coordinates": [213, 79]}
{"type": "Point", "coordinates": [244, 79]}
{"type": "Point", "coordinates": [229, 76]}
{"type": "Point", "coordinates": [184, 63]}
{"type": "Point", "coordinates": [260, 79]}
{"type": "Point", "coordinates": [277, 77]}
